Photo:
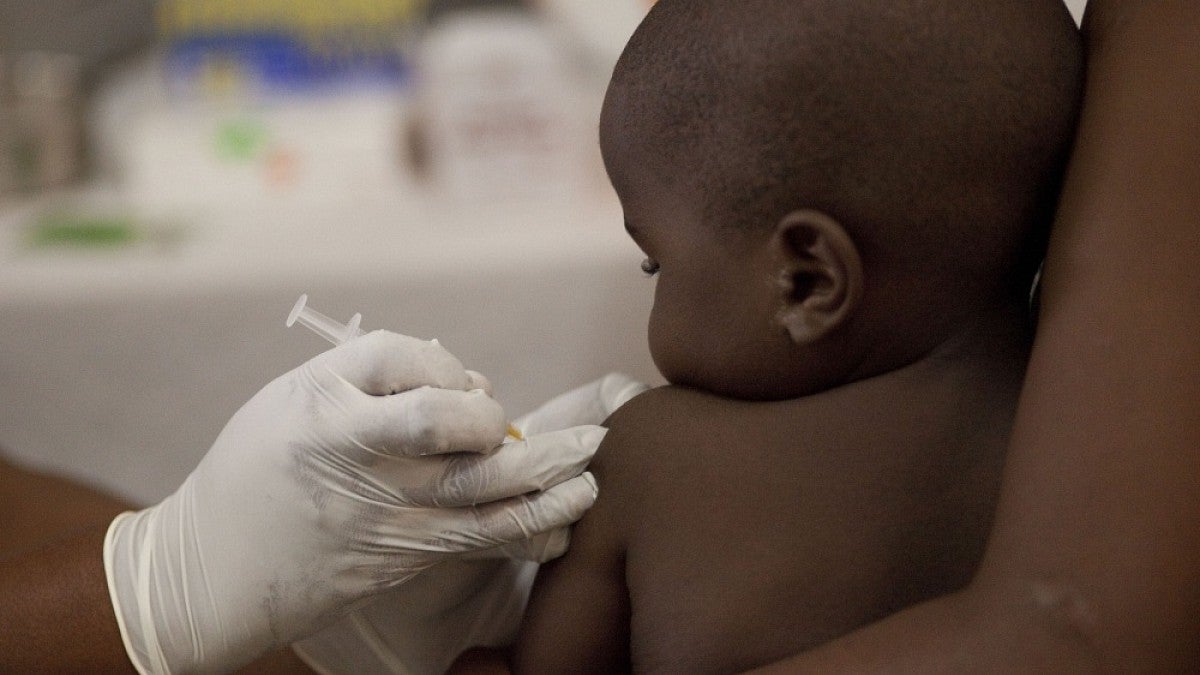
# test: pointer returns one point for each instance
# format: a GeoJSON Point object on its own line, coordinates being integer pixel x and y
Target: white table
{"type": "Point", "coordinates": [120, 367]}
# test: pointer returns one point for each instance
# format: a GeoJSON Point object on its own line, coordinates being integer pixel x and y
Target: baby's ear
{"type": "Point", "coordinates": [821, 275]}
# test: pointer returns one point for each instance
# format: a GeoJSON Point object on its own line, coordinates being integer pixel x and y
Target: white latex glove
{"type": "Point", "coordinates": [325, 489]}
{"type": "Point", "coordinates": [590, 404]}
{"type": "Point", "coordinates": [422, 626]}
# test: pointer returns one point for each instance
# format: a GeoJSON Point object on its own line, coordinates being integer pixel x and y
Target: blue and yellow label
{"type": "Point", "coordinates": [216, 45]}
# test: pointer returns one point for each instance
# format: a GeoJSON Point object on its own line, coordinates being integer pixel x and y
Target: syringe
{"type": "Point", "coordinates": [322, 325]}
{"type": "Point", "coordinates": [337, 333]}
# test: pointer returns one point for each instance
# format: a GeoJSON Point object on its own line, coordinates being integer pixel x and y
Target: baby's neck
{"type": "Point", "coordinates": [998, 333]}
{"type": "Point", "coordinates": [1004, 331]}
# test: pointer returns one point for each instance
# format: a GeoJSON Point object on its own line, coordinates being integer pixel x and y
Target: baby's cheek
{"type": "Point", "coordinates": [668, 339]}
{"type": "Point", "coordinates": [678, 350]}
{"type": "Point", "coordinates": [656, 334]}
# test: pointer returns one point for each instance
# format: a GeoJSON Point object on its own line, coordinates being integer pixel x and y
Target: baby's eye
{"type": "Point", "coordinates": [650, 266]}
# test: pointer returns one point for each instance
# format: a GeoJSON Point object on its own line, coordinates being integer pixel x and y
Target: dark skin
{"type": "Point", "coordinates": [732, 533]}
{"type": "Point", "coordinates": [1132, 184]}
{"type": "Point", "coordinates": [50, 560]}
{"type": "Point", "coordinates": [837, 509]}
{"type": "Point", "coordinates": [1095, 553]}
{"type": "Point", "coordinates": [858, 507]}
{"type": "Point", "coordinates": [1095, 556]}
{"type": "Point", "coordinates": [56, 615]}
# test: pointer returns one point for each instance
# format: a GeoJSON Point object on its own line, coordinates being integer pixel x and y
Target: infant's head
{"type": "Point", "coordinates": [829, 188]}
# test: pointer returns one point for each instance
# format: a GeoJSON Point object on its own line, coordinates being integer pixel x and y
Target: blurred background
{"type": "Point", "coordinates": [139, 94]}
{"type": "Point", "coordinates": [175, 173]}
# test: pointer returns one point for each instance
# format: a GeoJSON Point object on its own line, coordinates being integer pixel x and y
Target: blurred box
{"type": "Point", "coordinates": [223, 47]}
{"type": "Point", "coordinates": [200, 161]}
{"type": "Point", "coordinates": [265, 101]}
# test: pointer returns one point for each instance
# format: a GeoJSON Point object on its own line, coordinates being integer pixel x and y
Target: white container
{"type": "Point", "coordinates": [603, 26]}
{"type": "Point", "coordinates": [501, 112]}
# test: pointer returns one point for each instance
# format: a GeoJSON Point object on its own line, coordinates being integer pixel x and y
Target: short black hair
{"type": "Point", "coordinates": [936, 131]}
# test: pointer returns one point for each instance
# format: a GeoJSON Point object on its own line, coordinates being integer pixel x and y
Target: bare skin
{"type": "Point", "coordinates": [852, 466]}
{"type": "Point", "coordinates": [835, 510]}
{"type": "Point", "coordinates": [54, 608]}
{"type": "Point", "coordinates": [1126, 221]}
{"type": "Point", "coordinates": [55, 614]}
{"type": "Point", "coordinates": [793, 521]}
{"type": "Point", "coordinates": [1095, 555]}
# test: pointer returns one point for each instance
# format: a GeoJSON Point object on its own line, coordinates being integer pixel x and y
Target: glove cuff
{"type": "Point", "coordinates": [124, 569]}
{"type": "Point", "coordinates": [165, 607]}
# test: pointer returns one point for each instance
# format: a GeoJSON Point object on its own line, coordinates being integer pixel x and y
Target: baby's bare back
{"type": "Point", "coordinates": [754, 530]}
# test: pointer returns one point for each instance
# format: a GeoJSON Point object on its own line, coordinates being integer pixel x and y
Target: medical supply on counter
{"type": "Point", "coordinates": [338, 333]}
{"type": "Point", "coordinates": [82, 231]}
{"type": "Point", "coordinates": [248, 105]}
{"type": "Point", "coordinates": [176, 161]}
{"type": "Point", "coordinates": [502, 109]}
{"type": "Point", "coordinates": [217, 49]}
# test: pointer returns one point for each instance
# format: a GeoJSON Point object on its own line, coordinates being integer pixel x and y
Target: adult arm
{"type": "Point", "coordinates": [325, 489]}
{"type": "Point", "coordinates": [55, 612]}
{"type": "Point", "coordinates": [53, 599]}
{"type": "Point", "coordinates": [54, 607]}
{"type": "Point", "coordinates": [1094, 560]}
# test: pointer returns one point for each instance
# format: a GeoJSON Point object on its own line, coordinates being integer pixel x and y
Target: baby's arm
{"type": "Point", "coordinates": [578, 615]}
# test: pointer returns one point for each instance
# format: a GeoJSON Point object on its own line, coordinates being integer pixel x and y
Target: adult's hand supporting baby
{"type": "Point", "coordinates": [331, 485]}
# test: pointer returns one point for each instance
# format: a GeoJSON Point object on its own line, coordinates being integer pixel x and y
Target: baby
{"type": "Point", "coordinates": [844, 203]}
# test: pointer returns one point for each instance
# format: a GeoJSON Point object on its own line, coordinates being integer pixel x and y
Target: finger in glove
{"type": "Point", "coordinates": [381, 363]}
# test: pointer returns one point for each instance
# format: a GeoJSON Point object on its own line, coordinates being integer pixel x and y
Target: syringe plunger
{"type": "Point", "coordinates": [328, 328]}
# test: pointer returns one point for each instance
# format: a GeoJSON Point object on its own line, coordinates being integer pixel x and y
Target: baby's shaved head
{"type": "Point", "coordinates": [935, 130]}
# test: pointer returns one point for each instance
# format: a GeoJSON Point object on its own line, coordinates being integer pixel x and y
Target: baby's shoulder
{"type": "Point", "coordinates": [662, 417]}
{"type": "Point", "coordinates": [662, 408]}
{"type": "Point", "coordinates": [660, 436]}
{"type": "Point", "coordinates": [643, 422]}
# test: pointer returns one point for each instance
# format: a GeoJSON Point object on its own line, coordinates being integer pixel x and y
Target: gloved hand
{"type": "Point", "coordinates": [590, 404]}
{"type": "Point", "coordinates": [420, 627]}
{"type": "Point", "coordinates": [330, 485]}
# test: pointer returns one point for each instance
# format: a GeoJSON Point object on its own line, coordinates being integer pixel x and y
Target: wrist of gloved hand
{"type": "Point", "coordinates": [337, 481]}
